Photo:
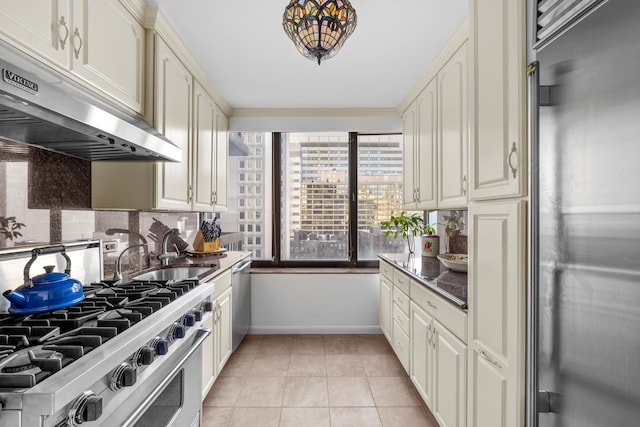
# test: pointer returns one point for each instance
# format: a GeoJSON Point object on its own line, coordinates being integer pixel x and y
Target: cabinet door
{"type": "Point", "coordinates": [497, 291]}
{"type": "Point", "coordinates": [386, 301]}
{"type": "Point", "coordinates": [421, 353]}
{"type": "Point", "coordinates": [107, 46]}
{"type": "Point", "coordinates": [498, 148]}
{"type": "Point", "coordinates": [425, 150]}
{"type": "Point", "coordinates": [450, 375]}
{"type": "Point", "coordinates": [408, 158]}
{"type": "Point", "coordinates": [208, 373]}
{"type": "Point", "coordinates": [223, 328]}
{"type": "Point", "coordinates": [40, 27]}
{"type": "Point", "coordinates": [453, 130]}
{"type": "Point", "coordinates": [221, 158]}
{"type": "Point", "coordinates": [173, 120]}
{"type": "Point", "coordinates": [204, 142]}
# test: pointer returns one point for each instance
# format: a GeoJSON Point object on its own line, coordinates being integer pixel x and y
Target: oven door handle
{"type": "Point", "coordinates": [202, 335]}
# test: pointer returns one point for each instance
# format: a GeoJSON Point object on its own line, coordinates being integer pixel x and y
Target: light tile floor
{"type": "Point", "coordinates": [314, 380]}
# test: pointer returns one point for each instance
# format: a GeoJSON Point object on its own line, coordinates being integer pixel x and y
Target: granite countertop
{"type": "Point", "coordinates": [430, 272]}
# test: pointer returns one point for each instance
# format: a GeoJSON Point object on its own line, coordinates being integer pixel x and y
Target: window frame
{"type": "Point", "coordinates": [352, 261]}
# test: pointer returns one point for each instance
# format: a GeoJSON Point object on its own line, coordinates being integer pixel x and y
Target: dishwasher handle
{"type": "Point", "coordinates": [241, 267]}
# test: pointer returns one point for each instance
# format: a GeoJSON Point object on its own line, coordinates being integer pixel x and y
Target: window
{"type": "Point", "coordinates": [330, 194]}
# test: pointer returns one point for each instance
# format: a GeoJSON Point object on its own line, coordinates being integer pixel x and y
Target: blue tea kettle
{"type": "Point", "coordinates": [47, 292]}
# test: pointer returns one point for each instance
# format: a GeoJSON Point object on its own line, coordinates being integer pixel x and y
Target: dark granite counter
{"type": "Point", "coordinates": [430, 272]}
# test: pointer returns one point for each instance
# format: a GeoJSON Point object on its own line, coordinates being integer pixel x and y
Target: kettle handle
{"type": "Point", "coordinates": [45, 251]}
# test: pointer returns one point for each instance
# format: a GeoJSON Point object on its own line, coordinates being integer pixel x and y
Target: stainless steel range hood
{"type": "Point", "coordinates": [40, 107]}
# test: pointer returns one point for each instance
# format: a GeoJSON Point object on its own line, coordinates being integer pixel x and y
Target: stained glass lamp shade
{"type": "Point", "coordinates": [319, 28]}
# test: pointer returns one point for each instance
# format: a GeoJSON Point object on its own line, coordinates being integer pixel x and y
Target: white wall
{"type": "Point", "coordinates": [314, 303]}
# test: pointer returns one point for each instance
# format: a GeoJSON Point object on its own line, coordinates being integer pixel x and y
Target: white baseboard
{"type": "Point", "coordinates": [268, 330]}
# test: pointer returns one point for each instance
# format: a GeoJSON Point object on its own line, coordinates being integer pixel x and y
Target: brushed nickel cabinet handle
{"type": "Point", "coordinates": [464, 185]}
{"type": "Point", "coordinates": [511, 153]}
{"type": "Point", "coordinates": [76, 35]}
{"type": "Point", "coordinates": [63, 25]}
{"type": "Point", "coordinates": [486, 357]}
{"type": "Point", "coordinates": [432, 305]}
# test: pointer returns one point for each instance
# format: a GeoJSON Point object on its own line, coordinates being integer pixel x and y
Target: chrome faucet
{"type": "Point", "coordinates": [165, 255]}
{"type": "Point", "coordinates": [146, 256]}
{"type": "Point", "coordinates": [117, 275]}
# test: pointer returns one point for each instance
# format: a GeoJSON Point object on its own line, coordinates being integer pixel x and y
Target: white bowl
{"type": "Point", "coordinates": [454, 262]}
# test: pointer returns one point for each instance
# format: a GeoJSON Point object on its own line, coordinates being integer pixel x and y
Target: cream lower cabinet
{"type": "Point", "coordinates": [439, 359]}
{"type": "Point", "coordinates": [99, 43]}
{"type": "Point", "coordinates": [217, 347]}
{"type": "Point", "coordinates": [497, 291]}
{"type": "Point", "coordinates": [386, 306]}
{"type": "Point", "coordinates": [498, 149]}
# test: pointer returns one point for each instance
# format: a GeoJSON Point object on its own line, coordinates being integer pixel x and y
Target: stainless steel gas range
{"type": "Point", "coordinates": [128, 355]}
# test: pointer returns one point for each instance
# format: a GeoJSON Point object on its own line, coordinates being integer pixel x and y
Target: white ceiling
{"type": "Point", "coordinates": [252, 62]}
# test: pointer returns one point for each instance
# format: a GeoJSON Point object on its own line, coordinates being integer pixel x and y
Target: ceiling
{"type": "Point", "coordinates": [247, 55]}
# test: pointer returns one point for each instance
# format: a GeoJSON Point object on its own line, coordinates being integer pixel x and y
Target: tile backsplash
{"type": "Point", "coordinates": [49, 196]}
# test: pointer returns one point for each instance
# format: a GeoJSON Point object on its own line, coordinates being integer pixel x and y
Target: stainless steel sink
{"type": "Point", "coordinates": [173, 273]}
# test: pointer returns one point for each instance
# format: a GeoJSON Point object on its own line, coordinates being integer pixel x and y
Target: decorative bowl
{"type": "Point", "coordinates": [454, 262]}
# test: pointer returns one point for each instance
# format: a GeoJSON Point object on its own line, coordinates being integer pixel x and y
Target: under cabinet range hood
{"type": "Point", "coordinates": [41, 107]}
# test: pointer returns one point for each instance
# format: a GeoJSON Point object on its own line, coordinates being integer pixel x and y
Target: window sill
{"type": "Point", "coordinates": [314, 270]}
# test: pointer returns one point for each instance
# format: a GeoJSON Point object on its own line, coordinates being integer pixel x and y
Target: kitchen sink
{"type": "Point", "coordinates": [174, 273]}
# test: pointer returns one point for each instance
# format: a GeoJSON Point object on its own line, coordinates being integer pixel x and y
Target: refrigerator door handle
{"type": "Point", "coordinates": [532, 400]}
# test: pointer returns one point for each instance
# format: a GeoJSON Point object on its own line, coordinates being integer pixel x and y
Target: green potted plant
{"type": "Point", "coordinates": [430, 241]}
{"type": "Point", "coordinates": [406, 226]}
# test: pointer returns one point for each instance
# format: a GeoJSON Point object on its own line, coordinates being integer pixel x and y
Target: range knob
{"type": "Point", "coordinates": [87, 407]}
{"type": "Point", "coordinates": [189, 319]}
{"type": "Point", "coordinates": [178, 330]}
{"type": "Point", "coordinates": [207, 306]}
{"type": "Point", "coordinates": [198, 315]}
{"type": "Point", "coordinates": [146, 355]}
{"type": "Point", "coordinates": [161, 347]}
{"type": "Point", "coordinates": [125, 375]}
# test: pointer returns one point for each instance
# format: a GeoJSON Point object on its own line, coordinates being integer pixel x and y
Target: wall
{"type": "Point", "coordinates": [314, 303]}
{"type": "Point", "coordinates": [50, 193]}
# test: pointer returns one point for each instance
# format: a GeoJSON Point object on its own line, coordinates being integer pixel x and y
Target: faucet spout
{"type": "Point", "coordinates": [165, 256]}
{"type": "Point", "coordinates": [117, 275]}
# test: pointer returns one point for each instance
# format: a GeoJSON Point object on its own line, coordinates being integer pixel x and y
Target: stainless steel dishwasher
{"type": "Point", "coordinates": [241, 297]}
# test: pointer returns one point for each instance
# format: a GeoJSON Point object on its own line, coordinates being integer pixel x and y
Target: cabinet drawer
{"type": "Point", "coordinates": [453, 318]}
{"type": "Point", "coordinates": [401, 319]}
{"type": "Point", "coordinates": [402, 281]}
{"type": "Point", "coordinates": [386, 269]}
{"type": "Point", "coordinates": [222, 282]}
{"type": "Point", "coordinates": [401, 346]}
{"type": "Point", "coordinates": [401, 299]}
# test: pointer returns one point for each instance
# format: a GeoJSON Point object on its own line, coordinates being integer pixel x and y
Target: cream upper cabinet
{"type": "Point", "coordinates": [220, 196]}
{"type": "Point", "coordinates": [453, 131]}
{"type": "Point", "coordinates": [41, 28]}
{"type": "Point", "coordinates": [425, 151]}
{"type": "Point", "coordinates": [174, 85]}
{"type": "Point", "coordinates": [497, 291]}
{"type": "Point", "coordinates": [107, 47]}
{"type": "Point", "coordinates": [99, 43]}
{"type": "Point", "coordinates": [204, 145]}
{"type": "Point", "coordinates": [498, 149]}
{"type": "Point", "coordinates": [409, 137]}
{"type": "Point", "coordinates": [419, 151]}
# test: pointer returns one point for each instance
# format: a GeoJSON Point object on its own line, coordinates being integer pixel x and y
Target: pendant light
{"type": "Point", "coordinates": [319, 28]}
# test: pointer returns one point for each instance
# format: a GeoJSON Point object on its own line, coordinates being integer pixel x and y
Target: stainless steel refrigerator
{"type": "Point", "coordinates": [584, 304]}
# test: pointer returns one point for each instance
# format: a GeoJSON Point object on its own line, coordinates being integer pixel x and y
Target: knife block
{"type": "Point", "coordinates": [201, 246]}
